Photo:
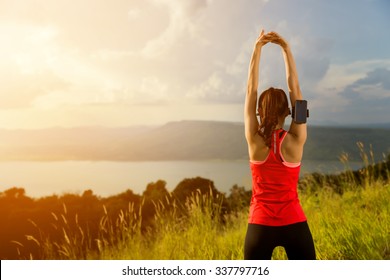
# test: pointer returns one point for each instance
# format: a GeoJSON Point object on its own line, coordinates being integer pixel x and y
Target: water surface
{"type": "Point", "coordinates": [107, 178]}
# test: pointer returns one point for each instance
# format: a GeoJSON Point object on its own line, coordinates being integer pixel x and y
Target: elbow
{"type": "Point", "coordinates": [293, 84]}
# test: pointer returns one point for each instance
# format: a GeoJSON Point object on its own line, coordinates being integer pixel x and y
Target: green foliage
{"type": "Point", "coordinates": [200, 235]}
{"type": "Point", "coordinates": [355, 225]}
{"type": "Point", "coordinates": [348, 214]}
{"type": "Point", "coordinates": [371, 173]}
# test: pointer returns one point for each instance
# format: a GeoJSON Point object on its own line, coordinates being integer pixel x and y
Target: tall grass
{"type": "Point", "coordinates": [352, 224]}
{"type": "Point", "coordinates": [355, 225]}
{"type": "Point", "coordinates": [201, 234]}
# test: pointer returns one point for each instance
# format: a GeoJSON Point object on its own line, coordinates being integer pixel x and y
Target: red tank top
{"type": "Point", "coordinates": [274, 199]}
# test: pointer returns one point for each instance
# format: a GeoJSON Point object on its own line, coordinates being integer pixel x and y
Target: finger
{"type": "Point", "coordinates": [267, 37]}
{"type": "Point", "coordinates": [277, 35]}
{"type": "Point", "coordinates": [262, 32]}
{"type": "Point", "coordinates": [274, 35]}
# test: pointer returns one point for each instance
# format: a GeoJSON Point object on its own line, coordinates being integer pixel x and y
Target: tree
{"type": "Point", "coordinates": [156, 191]}
{"type": "Point", "coordinates": [239, 198]}
{"type": "Point", "coordinates": [188, 187]}
{"type": "Point", "coordinates": [155, 195]}
{"type": "Point", "coordinates": [202, 192]}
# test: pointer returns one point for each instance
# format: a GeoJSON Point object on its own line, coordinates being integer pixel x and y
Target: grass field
{"type": "Point", "coordinates": [351, 225]}
{"type": "Point", "coordinates": [354, 226]}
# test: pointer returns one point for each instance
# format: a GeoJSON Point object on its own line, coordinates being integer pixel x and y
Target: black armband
{"type": "Point", "coordinates": [300, 113]}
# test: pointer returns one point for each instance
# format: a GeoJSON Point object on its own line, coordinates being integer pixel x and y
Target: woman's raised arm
{"type": "Point", "coordinates": [250, 118]}
{"type": "Point", "coordinates": [298, 131]}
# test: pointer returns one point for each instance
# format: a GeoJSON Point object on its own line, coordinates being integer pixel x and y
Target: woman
{"type": "Point", "coordinates": [276, 217]}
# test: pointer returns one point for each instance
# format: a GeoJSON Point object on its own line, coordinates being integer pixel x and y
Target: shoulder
{"type": "Point", "coordinates": [292, 147]}
{"type": "Point", "coordinates": [254, 139]}
{"type": "Point", "coordinates": [297, 134]}
{"type": "Point", "coordinates": [256, 147]}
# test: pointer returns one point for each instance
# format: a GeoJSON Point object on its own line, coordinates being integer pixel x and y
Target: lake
{"type": "Point", "coordinates": [107, 178]}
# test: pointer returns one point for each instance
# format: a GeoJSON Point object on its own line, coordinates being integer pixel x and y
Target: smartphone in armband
{"type": "Point", "coordinates": [300, 112]}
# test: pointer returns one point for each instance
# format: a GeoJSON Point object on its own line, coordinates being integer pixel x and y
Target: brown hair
{"type": "Point", "coordinates": [273, 104]}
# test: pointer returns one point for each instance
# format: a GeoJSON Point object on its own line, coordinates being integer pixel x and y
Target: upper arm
{"type": "Point", "coordinates": [294, 142]}
{"type": "Point", "coordinates": [250, 117]}
{"type": "Point", "coordinates": [298, 133]}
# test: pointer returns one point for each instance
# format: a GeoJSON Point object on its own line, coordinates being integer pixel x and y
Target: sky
{"type": "Point", "coordinates": [68, 63]}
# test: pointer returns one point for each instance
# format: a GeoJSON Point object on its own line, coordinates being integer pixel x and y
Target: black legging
{"type": "Point", "coordinates": [260, 241]}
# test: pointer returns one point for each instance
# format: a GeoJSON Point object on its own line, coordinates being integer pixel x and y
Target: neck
{"type": "Point", "coordinates": [279, 125]}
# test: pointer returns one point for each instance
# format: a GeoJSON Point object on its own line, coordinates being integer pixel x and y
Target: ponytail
{"type": "Point", "coordinates": [272, 105]}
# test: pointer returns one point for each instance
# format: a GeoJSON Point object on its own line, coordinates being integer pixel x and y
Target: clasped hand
{"type": "Point", "coordinates": [270, 37]}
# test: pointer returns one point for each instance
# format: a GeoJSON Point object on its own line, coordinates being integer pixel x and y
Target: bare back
{"type": "Point", "coordinates": [291, 148]}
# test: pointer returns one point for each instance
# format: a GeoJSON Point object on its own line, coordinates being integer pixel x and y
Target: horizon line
{"type": "Point", "coordinates": [329, 124]}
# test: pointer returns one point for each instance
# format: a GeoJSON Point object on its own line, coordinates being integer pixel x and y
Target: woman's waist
{"type": "Point", "coordinates": [275, 197]}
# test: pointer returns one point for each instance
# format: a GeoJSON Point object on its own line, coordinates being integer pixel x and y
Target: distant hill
{"type": "Point", "coordinates": [184, 140]}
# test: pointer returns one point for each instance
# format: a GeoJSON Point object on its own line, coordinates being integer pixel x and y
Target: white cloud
{"type": "Point", "coordinates": [28, 57]}
{"type": "Point", "coordinates": [241, 63]}
{"type": "Point", "coordinates": [38, 71]}
{"type": "Point", "coordinates": [208, 89]}
{"type": "Point", "coordinates": [181, 24]}
{"type": "Point", "coordinates": [373, 87]}
{"type": "Point", "coordinates": [151, 90]}
{"type": "Point", "coordinates": [218, 89]}
{"type": "Point", "coordinates": [134, 13]}
{"type": "Point", "coordinates": [341, 75]}
{"type": "Point", "coordinates": [100, 54]}
{"type": "Point", "coordinates": [355, 93]}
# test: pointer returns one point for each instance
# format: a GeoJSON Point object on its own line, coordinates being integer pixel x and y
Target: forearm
{"type": "Point", "coordinates": [251, 121]}
{"type": "Point", "coordinates": [253, 72]}
{"type": "Point", "coordinates": [291, 76]}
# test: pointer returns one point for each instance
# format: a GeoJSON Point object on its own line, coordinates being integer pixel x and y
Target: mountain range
{"type": "Point", "coordinates": [183, 140]}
